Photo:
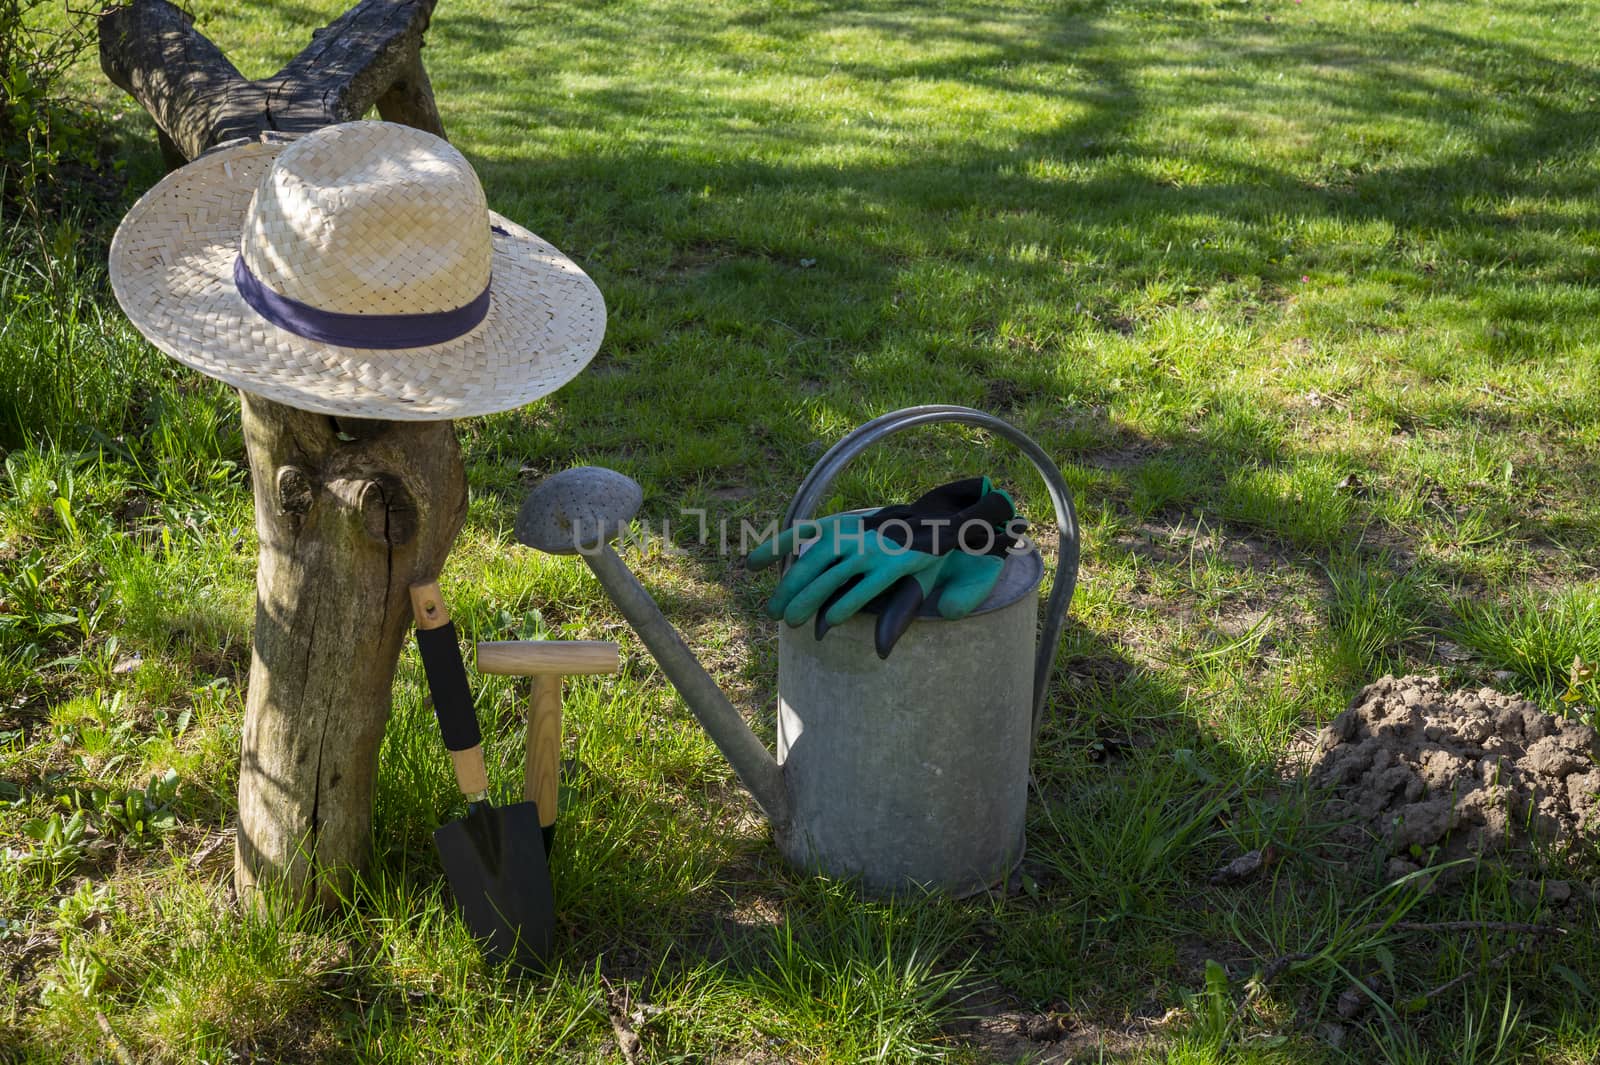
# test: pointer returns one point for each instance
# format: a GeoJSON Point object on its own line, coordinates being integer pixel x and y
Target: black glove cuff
{"type": "Point", "coordinates": [959, 516]}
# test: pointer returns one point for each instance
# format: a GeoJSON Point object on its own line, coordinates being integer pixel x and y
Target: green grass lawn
{"type": "Point", "coordinates": [1299, 294]}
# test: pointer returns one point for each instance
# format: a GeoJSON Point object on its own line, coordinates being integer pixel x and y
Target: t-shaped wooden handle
{"type": "Point", "coordinates": [541, 779]}
{"type": "Point", "coordinates": [546, 661]}
{"type": "Point", "coordinates": [562, 658]}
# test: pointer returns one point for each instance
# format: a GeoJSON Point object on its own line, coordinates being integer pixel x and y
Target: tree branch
{"type": "Point", "coordinates": [367, 57]}
{"type": "Point", "coordinates": [152, 51]}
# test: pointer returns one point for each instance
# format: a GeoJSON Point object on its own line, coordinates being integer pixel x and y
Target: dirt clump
{"type": "Point", "coordinates": [1441, 775]}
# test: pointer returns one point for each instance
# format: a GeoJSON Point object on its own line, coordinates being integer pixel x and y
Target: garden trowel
{"type": "Point", "coordinates": [494, 856]}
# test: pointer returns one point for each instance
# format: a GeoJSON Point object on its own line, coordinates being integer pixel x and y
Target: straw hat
{"type": "Point", "coordinates": [355, 271]}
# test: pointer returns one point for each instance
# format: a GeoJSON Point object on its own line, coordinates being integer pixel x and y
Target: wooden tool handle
{"type": "Point", "coordinates": [472, 776]}
{"type": "Point", "coordinates": [447, 683]}
{"type": "Point", "coordinates": [427, 603]}
{"type": "Point", "coordinates": [532, 658]}
{"type": "Point", "coordinates": [541, 782]}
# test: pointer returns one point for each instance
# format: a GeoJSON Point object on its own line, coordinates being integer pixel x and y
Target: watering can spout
{"type": "Point", "coordinates": [757, 770]}
{"type": "Point", "coordinates": [579, 511]}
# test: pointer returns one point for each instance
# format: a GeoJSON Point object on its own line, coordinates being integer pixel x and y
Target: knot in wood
{"type": "Point", "coordinates": [382, 504]}
{"type": "Point", "coordinates": [295, 490]}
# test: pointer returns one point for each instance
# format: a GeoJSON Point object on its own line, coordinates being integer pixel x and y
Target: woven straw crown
{"type": "Point", "coordinates": [355, 271]}
{"type": "Point", "coordinates": [370, 219]}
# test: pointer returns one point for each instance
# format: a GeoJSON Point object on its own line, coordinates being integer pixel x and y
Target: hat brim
{"type": "Point", "coordinates": [172, 271]}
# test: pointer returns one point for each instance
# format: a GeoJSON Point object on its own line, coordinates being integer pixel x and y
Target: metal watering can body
{"type": "Point", "coordinates": [909, 774]}
{"type": "Point", "coordinates": [912, 773]}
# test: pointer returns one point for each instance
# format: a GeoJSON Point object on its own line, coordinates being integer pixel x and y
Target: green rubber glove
{"type": "Point", "coordinates": [964, 582]}
{"type": "Point", "coordinates": [957, 587]}
{"type": "Point", "coordinates": [843, 549]}
{"type": "Point", "coordinates": [830, 539]}
{"type": "Point", "coordinates": [849, 563]}
{"type": "Point", "coordinates": [879, 563]}
{"type": "Point", "coordinates": [959, 580]}
{"type": "Point", "coordinates": [832, 533]}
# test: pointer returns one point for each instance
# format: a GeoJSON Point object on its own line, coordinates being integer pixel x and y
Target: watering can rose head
{"type": "Point", "coordinates": [578, 510]}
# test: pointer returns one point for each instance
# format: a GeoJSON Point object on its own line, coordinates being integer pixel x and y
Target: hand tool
{"type": "Point", "coordinates": [494, 857]}
{"type": "Point", "coordinates": [547, 662]}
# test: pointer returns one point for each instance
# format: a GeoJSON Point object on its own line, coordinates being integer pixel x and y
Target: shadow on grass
{"type": "Point", "coordinates": [718, 319]}
{"type": "Point", "coordinates": [704, 268]}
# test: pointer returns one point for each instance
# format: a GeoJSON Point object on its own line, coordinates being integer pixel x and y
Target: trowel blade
{"type": "Point", "coordinates": [495, 860]}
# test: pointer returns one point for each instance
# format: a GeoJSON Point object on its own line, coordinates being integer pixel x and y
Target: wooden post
{"type": "Point", "coordinates": [349, 513]}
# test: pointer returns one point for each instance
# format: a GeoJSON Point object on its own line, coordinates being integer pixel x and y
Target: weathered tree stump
{"type": "Point", "coordinates": [349, 512]}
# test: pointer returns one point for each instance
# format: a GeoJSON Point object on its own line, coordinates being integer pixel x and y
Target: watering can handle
{"type": "Point", "coordinates": [811, 490]}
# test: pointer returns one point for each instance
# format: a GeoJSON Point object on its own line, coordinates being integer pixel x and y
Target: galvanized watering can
{"type": "Point", "coordinates": [909, 774]}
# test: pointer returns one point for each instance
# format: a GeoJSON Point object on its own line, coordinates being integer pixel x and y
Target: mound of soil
{"type": "Point", "coordinates": [1444, 775]}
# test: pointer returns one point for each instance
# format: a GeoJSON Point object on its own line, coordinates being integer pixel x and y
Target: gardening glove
{"type": "Point", "coordinates": [964, 583]}
{"type": "Point", "coordinates": [867, 557]}
{"type": "Point", "coordinates": [950, 542]}
{"type": "Point", "coordinates": [954, 516]}
{"type": "Point", "coordinates": [932, 524]}
{"type": "Point", "coordinates": [956, 588]}
{"type": "Point", "coordinates": [826, 532]}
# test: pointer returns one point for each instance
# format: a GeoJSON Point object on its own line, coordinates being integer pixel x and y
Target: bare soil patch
{"type": "Point", "coordinates": [1436, 775]}
{"type": "Point", "coordinates": [1000, 1030]}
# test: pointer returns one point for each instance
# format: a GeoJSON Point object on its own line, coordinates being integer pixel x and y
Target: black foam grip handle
{"type": "Point", "coordinates": [447, 681]}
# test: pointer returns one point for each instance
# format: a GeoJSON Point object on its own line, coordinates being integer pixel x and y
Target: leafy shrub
{"type": "Point", "coordinates": [45, 142]}
{"type": "Point", "coordinates": [75, 372]}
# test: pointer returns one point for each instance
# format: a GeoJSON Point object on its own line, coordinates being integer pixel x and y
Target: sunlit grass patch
{"type": "Point", "coordinates": [1376, 607]}
{"type": "Point", "coordinates": [1535, 635]}
{"type": "Point", "coordinates": [1298, 295]}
